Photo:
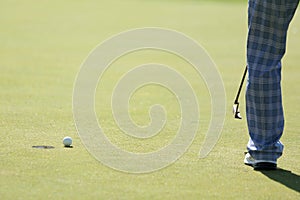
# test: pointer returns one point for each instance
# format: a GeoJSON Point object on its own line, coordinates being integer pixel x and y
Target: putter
{"type": "Point", "coordinates": [236, 110]}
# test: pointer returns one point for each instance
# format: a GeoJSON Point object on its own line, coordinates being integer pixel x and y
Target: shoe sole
{"type": "Point", "coordinates": [264, 166]}
{"type": "Point", "coordinates": [249, 164]}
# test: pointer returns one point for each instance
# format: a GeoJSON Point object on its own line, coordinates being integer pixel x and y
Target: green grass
{"type": "Point", "coordinates": [42, 45]}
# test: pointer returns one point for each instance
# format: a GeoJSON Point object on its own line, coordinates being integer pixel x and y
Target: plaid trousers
{"type": "Point", "coordinates": [268, 22]}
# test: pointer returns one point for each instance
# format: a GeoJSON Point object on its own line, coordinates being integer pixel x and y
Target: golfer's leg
{"type": "Point", "coordinates": [268, 25]}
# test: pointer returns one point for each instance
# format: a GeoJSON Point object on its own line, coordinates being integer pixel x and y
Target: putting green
{"type": "Point", "coordinates": [42, 46]}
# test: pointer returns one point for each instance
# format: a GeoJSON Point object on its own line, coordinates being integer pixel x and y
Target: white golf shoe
{"type": "Point", "coordinates": [259, 164]}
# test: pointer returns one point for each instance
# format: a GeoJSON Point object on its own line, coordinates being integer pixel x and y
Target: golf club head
{"type": "Point", "coordinates": [236, 111]}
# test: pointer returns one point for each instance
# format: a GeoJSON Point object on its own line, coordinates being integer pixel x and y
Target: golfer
{"type": "Point", "coordinates": [268, 22]}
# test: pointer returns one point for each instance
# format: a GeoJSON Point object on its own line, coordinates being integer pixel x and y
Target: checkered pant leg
{"type": "Point", "coordinates": [268, 22]}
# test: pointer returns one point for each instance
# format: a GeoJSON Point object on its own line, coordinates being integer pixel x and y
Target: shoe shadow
{"type": "Point", "coordinates": [285, 177]}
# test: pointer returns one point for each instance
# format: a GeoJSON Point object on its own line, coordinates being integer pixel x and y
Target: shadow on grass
{"type": "Point", "coordinates": [287, 178]}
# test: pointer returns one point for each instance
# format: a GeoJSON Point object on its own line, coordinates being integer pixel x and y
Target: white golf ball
{"type": "Point", "coordinates": [67, 141]}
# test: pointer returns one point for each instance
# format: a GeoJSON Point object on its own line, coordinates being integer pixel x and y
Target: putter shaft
{"type": "Point", "coordinates": [236, 111]}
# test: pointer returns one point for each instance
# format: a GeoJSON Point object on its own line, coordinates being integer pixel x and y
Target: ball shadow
{"type": "Point", "coordinates": [68, 147]}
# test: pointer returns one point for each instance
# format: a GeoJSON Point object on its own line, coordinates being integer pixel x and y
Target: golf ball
{"type": "Point", "coordinates": [67, 141]}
